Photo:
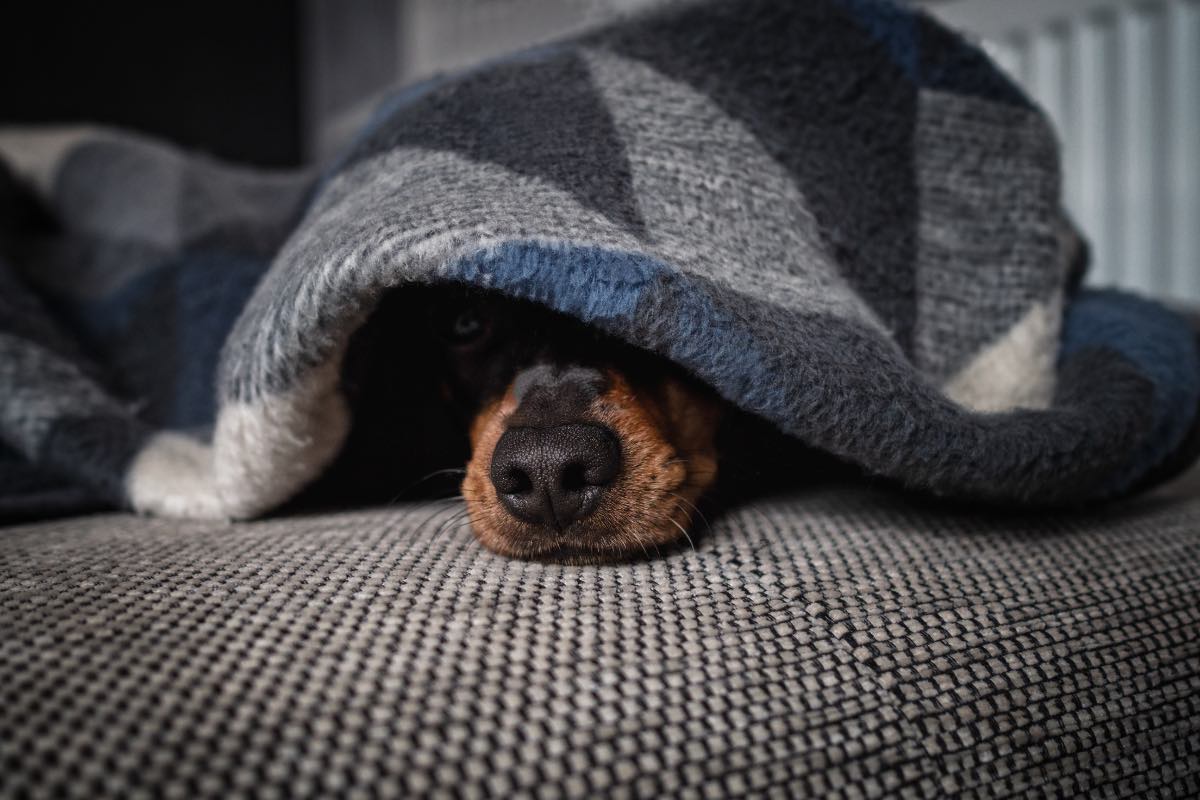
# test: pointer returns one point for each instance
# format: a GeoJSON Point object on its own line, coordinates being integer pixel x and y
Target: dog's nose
{"type": "Point", "coordinates": [554, 476]}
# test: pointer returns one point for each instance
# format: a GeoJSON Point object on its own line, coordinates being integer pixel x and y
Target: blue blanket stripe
{"type": "Point", "coordinates": [930, 56]}
{"type": "Point", "coordinates": [1163, 348]}
{"type": "Point", "coordinates": [623, 293]}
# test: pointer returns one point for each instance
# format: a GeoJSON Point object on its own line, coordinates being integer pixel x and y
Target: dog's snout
{"type": "Point", "coordinates": [554, 476]}
{"type": "Point", "coordinates": [549, 394]}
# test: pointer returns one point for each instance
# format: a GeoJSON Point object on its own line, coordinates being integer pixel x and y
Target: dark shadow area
{"type": "Point", "coordinates": [223, 77]}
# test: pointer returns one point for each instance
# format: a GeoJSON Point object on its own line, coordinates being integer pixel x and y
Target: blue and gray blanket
{"type": "Point", "coordinates": [838, 214]}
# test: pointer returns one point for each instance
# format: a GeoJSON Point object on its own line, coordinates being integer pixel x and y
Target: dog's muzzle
{"type": "Point", "coordinates": [551, 466]}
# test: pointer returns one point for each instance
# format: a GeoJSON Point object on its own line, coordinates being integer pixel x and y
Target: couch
{"type": "Point", "coordinates": [838, 641]}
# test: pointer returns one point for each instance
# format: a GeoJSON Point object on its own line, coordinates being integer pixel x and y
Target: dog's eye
{"type": "Point", "coordinates": [462, 326]}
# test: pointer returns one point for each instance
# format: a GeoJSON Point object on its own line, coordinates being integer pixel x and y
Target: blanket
{"type": "Point", "coordinates": [837, 213]}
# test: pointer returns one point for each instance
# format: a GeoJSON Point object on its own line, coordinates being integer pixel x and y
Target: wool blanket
{"type": "Point", "coordinates": [837, 213]}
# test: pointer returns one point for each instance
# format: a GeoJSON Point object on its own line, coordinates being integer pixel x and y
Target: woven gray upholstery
{"type": "Point", "coordinates": [840, 642]}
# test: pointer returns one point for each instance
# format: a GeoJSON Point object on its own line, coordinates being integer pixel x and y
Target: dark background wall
{"type": "Point", "coordinates": [221, 76]}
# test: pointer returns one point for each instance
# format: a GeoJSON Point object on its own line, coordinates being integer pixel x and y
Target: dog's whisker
{"type": "Point", "coordinates": [455, 520]}
{"type": "Point", "coordinates": [695, 508]}
{"type": "Point", "coordinates": [426, 478]}
{"type": "Point", "coordinates": [754, 509]}
{"type": "Point", "coordinates": [461, 512]}
{"type": "Point", "coordinates": [684, 532]}
{"type": "Point", "coordinates": [451, 527]}
{"type": "Point", "coordinates": [439, 508]}
{"type": "Point", "coordinates": [427, 519]}
{"type": "Point", "coordinates": [428, 504]}
{"type": "Point", "coordinates": [399, 496]}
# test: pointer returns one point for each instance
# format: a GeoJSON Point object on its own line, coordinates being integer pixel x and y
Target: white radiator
{"type": "Point", "coordinates": [1122, 82]}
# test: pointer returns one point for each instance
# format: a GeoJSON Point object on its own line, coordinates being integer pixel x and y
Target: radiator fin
{"type": "Point", "coordinates": [1122, 84]}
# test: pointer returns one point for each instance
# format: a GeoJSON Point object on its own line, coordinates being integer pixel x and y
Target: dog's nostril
{"type": "Point", "coordinates": [574, 477]}
{"type": "Point", "coordinates": [514, 481]}
{"type": "Point", "coordinates": [554, 476]}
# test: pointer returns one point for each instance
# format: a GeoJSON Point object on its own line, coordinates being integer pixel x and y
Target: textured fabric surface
{"type": "Point", "coordinates": [837, 213]}
{"type": "Point", "coordinates": [834, 643]}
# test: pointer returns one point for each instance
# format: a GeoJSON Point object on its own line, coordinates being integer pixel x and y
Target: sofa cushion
{"type": "Point", "coordinates": [835, 642]}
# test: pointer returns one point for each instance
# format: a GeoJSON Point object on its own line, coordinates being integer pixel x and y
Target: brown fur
{"type": "Point", "coordinates": [667, 435]}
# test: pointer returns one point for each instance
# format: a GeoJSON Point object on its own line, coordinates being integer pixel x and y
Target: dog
{"type": "Point", "coordinates": [581, 448]}
{"type": "Point", "coordinates": [578, 448]}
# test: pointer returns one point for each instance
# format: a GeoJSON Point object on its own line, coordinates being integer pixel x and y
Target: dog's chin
{"type": "Point", "coordinates": [551, 552]}
{"type": "Point", "coordinates": [607, 537]}
{"type": "Point", "coordinates": [569, 555]}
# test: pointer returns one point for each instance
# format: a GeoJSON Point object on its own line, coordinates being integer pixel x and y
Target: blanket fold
{"type": "Point", "coordinates": [837, 213]}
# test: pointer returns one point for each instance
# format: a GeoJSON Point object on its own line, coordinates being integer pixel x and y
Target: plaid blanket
{"type": "Point", "coordinates": [837, 213]}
